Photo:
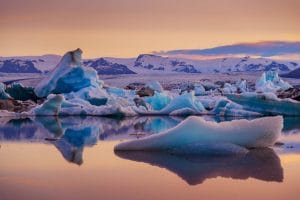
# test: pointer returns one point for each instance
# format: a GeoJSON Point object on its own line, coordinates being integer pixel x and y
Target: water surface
{"type": "Point", "coordinates": [73, 158]}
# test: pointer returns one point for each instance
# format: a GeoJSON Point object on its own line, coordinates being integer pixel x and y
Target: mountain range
{"type": "Point", "coordinates": [162, 63]}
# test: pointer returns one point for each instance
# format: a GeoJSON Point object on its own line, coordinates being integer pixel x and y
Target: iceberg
{"type": "Point", "coordinates": [199, 89]}
{"type": "Point", "coordinates": [270, 82]}
{"type": "Point", "coordinates": [241, 86]}
{"type": "Point", "coordinates": [228, 88]}
{"type": "Point", "coordinates": [225, 107]}
{"type": "Point", "coordinates": [185, 104]}
{"type": "Point", "coordinates": [19, 92]}
{"type": "Point", "coordinates": [257, 133]}
{"type": "Point", "coordinates": [266, 103]}
{"type": "Point", "coordinates": [49, 108]}
{"type": "Point", "coordinates": [156, 86]}
{"type": "Point", "coordinates": [158, 101]}
{"type": "Point", "coordinates": [3, 94]}
{"type": "Point", "coordinates": [68, 76]}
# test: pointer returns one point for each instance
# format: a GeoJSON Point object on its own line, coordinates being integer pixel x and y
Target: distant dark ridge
{"type": "Point", "coordinates": [293, 74]}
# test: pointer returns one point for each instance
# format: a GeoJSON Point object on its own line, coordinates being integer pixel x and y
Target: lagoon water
{"type": "Point", "coordinates": [73, 158]}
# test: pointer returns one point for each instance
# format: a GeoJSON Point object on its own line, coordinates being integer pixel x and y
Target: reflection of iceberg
{"type": "Point", "coordinates": [20, 130]}
{"type": "Point", "coordinates": [72, 134]}
{"type": "Point", "coordinates": [262, 164]}
{"type": "Point", "coordinates": [125, 128]}
{"type": "Point", "coordinates": [73, 141]}
{"type": "Point", "coordinates": [196, 132]}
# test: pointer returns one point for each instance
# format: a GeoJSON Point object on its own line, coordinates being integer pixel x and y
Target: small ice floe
{"type": "Point", "coordinates": [196, 136]}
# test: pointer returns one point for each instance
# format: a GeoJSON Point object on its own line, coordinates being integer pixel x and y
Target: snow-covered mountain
{"type": "Point", "coordinates": [293, 74]}
{"type": "Point", "coordinates": [149, 63]}
{"type": "Point", "coordinates": [28, 64]}
{"type": "Point", "coordinates": [152, 63]}
{"type": "Point", "coordinates": [109, 65]}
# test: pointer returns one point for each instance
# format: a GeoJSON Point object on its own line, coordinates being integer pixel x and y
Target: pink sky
{"type": "Point", "coordinates": [125, 28]}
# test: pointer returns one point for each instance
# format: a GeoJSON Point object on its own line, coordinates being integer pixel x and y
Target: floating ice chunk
{"type": "Point", "coordinates": [199, 89]}
{"type": "Point", "coordinates": [262, 132]}
{"type": "Point", "coordinates": [19, 92]}
{"type": "Point", "coordinates": [266, 103]}
{"type": "Point", "coordinates": [156, 86]}
{"type": "Point", "coordinates": [241, 86]}
{"type": "Point", "coordinates": [228, 88]}
{"type": "Point", "coordinates": [270, 82]}
{"type": "Point", "coordinates": [225, 107]}
{"type": "Point", "coordinates": [184, 102]}
{"type": "Point", "coordinates": [3, 94]}
{"type": "Point", "coordinates": [50, 107]}
{"type": "Point", "coordinates": [68, 76]}
{"type": "Point", "coordinates": [95, 96]}
{"type": "Point", "coordinates": [116, 91]}
{"type": "Point", "coordinates": [158, 101]}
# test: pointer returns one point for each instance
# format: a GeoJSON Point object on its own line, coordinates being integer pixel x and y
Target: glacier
{"type": "Point", "coordinates": [195, 135]}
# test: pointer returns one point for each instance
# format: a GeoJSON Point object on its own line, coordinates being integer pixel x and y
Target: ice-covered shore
{"type": "Point", "coordinates": [74, 89]}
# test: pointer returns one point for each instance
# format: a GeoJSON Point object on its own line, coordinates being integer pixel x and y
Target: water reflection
{"type": "Point", "coordinates": [70, 135]}
{"type": "Point", "coordinates": [262, 164]}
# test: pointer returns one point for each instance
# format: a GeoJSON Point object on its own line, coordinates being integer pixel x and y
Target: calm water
{"type": "Point", "coordinates": [73, 158]}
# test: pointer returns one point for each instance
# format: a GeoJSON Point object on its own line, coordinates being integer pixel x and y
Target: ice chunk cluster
{"type": "Point", "coordinates": [185, 104]}
{"type": "Point", "coordinates": [205, 135]}
{"type": "Point", "coordinates": [270, 82]}
{"type": "Point", "coordinates": [73, 89]}
{"type": "Point", "coordinates": [79, 91]}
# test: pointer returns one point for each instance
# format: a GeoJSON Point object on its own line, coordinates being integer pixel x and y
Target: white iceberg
{"type": "Point", "coordinates": [156, 86]}
{"type": "Point", "coordinates": [228, 88]}
{"type": "Point", "coordinates": [199, 89]}
{"type": "Point", "coordinates": [270, 82]}
{"type": "Point", "coordinates": [241, 86]}
{"type": "Point", "coordinates": [261, 132]}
